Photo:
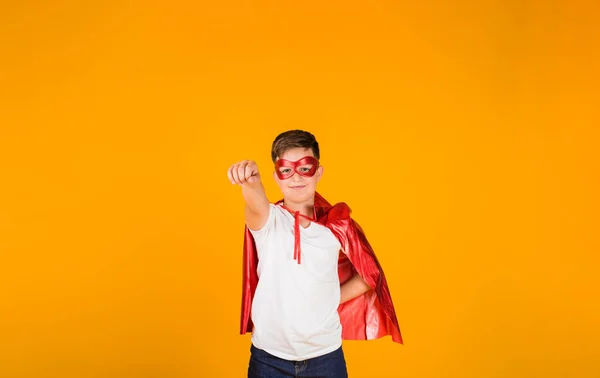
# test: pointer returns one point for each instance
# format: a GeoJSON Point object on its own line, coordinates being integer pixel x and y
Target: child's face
{"type": "Point", "coordinates": [298, 188]}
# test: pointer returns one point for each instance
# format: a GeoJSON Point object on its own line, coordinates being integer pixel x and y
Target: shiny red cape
{"type": "Point", "coordinates": [366, 317]}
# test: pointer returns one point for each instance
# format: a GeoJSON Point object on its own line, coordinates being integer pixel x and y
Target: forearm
{"type": "Point", "coordinates": [353, 288]}
{"type": "Point", "coordinates": [245, 174]}
{"type": "Point", "coordinates": [255, 197]}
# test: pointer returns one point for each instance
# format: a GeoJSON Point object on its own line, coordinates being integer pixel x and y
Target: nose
{"type": "Point", "coordinates": [296, 177]}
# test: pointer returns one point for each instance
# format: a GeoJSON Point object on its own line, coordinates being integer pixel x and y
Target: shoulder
{"type": "Point", "coordinates": [276, 207]}
{"type": "Point", "coordinates": [340, 211]}
{"type": "Point", "coordinates": [279, 213]}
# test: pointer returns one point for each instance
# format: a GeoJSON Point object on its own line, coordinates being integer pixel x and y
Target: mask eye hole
{"type": "Point", "coordinates": [305, 168]}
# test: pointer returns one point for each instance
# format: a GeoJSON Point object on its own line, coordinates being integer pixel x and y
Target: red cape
{"type": "Point", "coordinates": [369, 316]}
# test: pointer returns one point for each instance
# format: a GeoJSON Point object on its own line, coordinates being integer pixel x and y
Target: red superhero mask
{"type": "Point", "coordinates": [307, 166]}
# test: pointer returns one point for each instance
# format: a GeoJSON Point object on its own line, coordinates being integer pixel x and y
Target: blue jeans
{"type": "Point", "coordinates": [265, 365]}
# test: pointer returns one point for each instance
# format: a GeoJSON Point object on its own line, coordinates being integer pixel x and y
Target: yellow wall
{"type": "Point", "coordinates": [462, 136]}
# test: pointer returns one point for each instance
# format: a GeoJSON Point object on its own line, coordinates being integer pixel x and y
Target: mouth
{"type": "Point", "coordinates": [298, 187]}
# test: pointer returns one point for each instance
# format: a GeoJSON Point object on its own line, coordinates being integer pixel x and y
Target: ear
{"type": "Point", "coordinates": [319, 172]}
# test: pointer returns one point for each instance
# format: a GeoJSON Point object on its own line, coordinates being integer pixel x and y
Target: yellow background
{"type": "Point", "coordinates": [463, 136]}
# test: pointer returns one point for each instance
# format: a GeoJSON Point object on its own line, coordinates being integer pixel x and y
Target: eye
{"type": "Point", "coordinates": [285, 170]}
{"type": "Point", "coordinates": [305, 168]}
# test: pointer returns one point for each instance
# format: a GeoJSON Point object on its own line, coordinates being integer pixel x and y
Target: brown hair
{"type": "Point", "coordinates": [292, 139]}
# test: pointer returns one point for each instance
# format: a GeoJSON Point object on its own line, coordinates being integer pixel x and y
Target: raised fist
{"type": "Point", "coordinates": [245, 171]}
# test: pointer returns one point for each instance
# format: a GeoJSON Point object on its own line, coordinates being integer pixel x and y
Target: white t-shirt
{"type": "Point", "coordinates": [294, 309]}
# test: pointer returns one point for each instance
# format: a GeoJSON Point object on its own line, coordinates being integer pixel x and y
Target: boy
{"type": "Point", "coordinates": [296, 253]}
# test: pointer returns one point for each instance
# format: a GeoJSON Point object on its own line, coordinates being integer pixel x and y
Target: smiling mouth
{"type": "Point", "coordinates": [298, 187]}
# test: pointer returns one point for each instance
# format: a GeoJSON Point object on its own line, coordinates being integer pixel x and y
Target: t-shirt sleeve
{"type": "Point", "coordinates": [261, 235]}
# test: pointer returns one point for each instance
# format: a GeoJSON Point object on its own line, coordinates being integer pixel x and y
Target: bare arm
{"type": "Point", "coordinates": [245, 174]}
{"type": "Point", "coordinates": [353, 288]}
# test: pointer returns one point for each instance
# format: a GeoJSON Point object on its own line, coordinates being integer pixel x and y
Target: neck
{"type": "Point", "coordinates": [305, 208]}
